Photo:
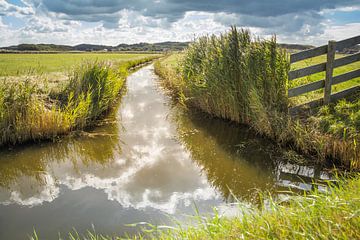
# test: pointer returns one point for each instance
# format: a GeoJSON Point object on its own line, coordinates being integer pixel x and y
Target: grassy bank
{"type": "Point", "coordinates": [27, 113]}
{"type": "Point", "coordinates": [315, 216]}
{"type": "Point", "coordinates": [330, 215]}
{"type": "Point", "coordinates": [243, 79]}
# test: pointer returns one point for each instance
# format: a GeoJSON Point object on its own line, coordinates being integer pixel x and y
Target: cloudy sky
{"type": "Point", "coordinates": [111, 22]}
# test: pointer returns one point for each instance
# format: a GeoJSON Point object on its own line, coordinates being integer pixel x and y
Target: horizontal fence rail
{"type": "Point", "coordinates": [328, 67]}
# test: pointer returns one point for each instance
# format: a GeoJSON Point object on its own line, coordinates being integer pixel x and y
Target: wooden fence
{"type": "Point", "coordinates": [328, 67]}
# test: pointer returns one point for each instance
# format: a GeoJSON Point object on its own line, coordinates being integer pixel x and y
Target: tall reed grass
{"type": "Point", "coordinates": [236, 76]}
{"type": "Point", "coordinates": [242, 78]}
{"type": "Point", "coordinates": [92, 89]}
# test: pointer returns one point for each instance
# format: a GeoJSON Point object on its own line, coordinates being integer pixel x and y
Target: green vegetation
{"type": "Point", "coordinates": [315, 215]}
{"type": "Point", "coordinates": [341, 119]}
{"type": "Point", "coordinates": [20, 64]}
{"type": "Point", "coordinates": [27, 114]}
{"type": "Point", "coordinates": [245, 80]}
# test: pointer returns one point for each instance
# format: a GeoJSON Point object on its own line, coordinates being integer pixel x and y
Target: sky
{"type": "Point", "coordinates": [111, 22]}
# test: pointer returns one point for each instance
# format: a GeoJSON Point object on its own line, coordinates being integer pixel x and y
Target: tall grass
{"type": "Point", "coordinates": [333, 214]}
{"type": "Point", "coordinates": [92, 89]}
{"type": "Point", "coordinates": [235, 76]}
{"type": "Point", "coordinates": [313, 216]}
{"type": "Point", "coordinates": [244, 79]}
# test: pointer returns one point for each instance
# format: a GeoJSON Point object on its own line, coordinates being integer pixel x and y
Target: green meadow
{"type": "Point", "coordinates": [23, 63]}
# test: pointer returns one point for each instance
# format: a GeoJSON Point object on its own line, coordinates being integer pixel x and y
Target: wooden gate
{"type": "Point", "coordinates": [328, 66]}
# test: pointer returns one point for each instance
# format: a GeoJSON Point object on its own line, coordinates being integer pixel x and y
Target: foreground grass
{"type": "Point", "coordinates": [245, 81]}
{"type": "Point", "coordinates": [331, 215]}
{"type": "Point", "coordinates": [20, 64]}
{"type": "Point", "coordinates": [29, 114]}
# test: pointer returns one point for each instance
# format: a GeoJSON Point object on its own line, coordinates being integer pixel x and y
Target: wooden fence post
{"type": "Point", "coordinates": [329, 71]}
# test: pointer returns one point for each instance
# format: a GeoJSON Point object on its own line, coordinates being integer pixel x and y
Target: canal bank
{"type": "Point", "coordinates": [149, 161]}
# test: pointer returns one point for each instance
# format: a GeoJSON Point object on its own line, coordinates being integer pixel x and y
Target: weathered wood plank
{"type": "Point", "coordinates": [329, 70]}
{"type": "Point", "coordinates": [343, 94]}
{"type": "Point", "coordinates": [308, 54]}
{"type": "Point", "coordinates": [323, 49]}
{"type": "Point", "coordinates": [347, 60]}
{"type": "Point", "coordinates": [298, 73]}
{"type": "Point", "coordinates": [309, 105]}
{"type": "Point", "coordinates": [346, 76]}
{"type": "Point", "coordinates": [340, 45]}
{"type": "Point", "coordinates": [319, 102]}
{"type": "Point", "coordinates": [307, 71]}
{"type": "Point", "coordinates": [293, 92]}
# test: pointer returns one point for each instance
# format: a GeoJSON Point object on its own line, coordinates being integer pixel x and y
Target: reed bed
{"type": "Point", "coordinates": [242, 78]}
{"type": "Point", "coordinates": [28, 115]}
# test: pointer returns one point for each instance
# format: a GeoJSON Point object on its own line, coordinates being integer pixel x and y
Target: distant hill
{"type": "Point", "coordinates": [160, 47]}
{"type": "Point", "coordinates": [295, 46]}
{"type": "Point", "coordinates": [92, 47]}
{"type": "Point", "coordinates": [299, 47]}
{"type": "Point", "coordinates": [163, 46]}
{"type": "Point", "coordinates": [39, 47]}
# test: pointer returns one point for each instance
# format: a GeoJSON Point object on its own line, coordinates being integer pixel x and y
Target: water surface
{"type": "Point", "coordinates": [148, 162]}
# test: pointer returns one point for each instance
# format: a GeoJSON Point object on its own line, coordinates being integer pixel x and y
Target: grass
{"type": "Point", "coordinates": [331, 215]}
{"type": "Point", "coordinates": [29, 114]}
{"type": "Point", "coordinates": [20, 64]}
{"type": "Point", "coordinates": [244, 80]}
{"type": "Point", "coordinates": [319, 76]}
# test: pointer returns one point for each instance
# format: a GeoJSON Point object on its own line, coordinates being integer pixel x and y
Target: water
{"type": "Point", "coordinates": [149, 162]}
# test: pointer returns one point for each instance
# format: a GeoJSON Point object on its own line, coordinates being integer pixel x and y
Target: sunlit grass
{"type": "Point", "coordinates": [333, 214]}
{"type": "Point", "coordinates": [19, 64]}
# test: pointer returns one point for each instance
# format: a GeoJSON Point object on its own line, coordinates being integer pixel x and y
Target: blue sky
{"type": "Point", "coordinates": [112, 22]}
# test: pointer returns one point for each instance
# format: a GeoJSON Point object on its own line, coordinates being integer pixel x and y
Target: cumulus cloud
{"type": "Point", "coordinates": [158, 20]}
{"type": "Point", "coordinates": [175, 9]}
{"type": "Point", "coordinates": [14, 10]}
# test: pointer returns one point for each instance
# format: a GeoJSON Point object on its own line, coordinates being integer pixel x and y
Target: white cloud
{"type": "Point", "coordinates": [13, 10]}
{"type": "Point", "coordinates": [114, 22]}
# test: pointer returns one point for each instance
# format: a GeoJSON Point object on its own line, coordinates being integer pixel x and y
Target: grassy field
{"type": "Point", "coordinates": [35, 107]}
{"type": "Point", "coordinates": [319, 76]}
{"type": "Point", "coordinates": [19, 64]}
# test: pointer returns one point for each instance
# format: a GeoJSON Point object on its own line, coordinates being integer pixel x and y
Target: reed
{"type": "Point", "coordinates": [235, 75]}
{"type": "Point", "coordinates": [244, 79]}
{"type": "Point", "coordinates": [26, 114]}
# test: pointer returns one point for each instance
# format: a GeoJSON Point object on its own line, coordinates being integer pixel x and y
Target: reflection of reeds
{"type": "Point", "coordinates": [25, 115]}
{"type": "Point", "coordinates": [236, 77]}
